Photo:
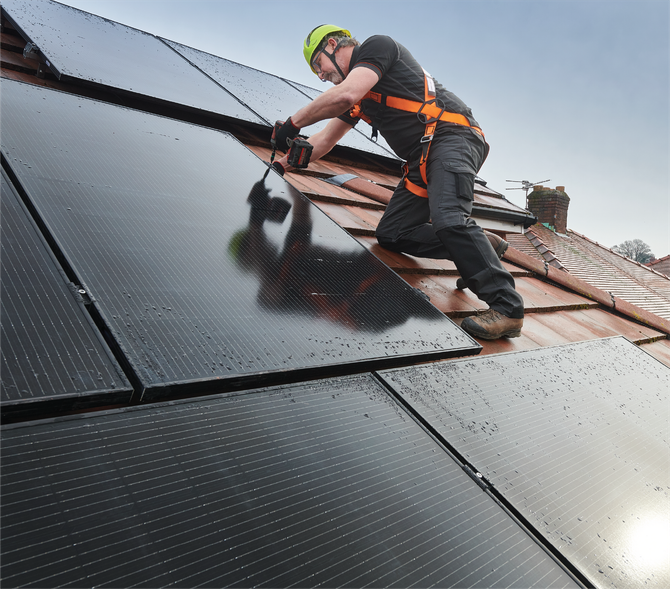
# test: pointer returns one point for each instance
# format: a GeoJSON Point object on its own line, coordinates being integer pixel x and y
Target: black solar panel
{"type": "Point", "coordinates": [269, 96]}
{"type": "Point", "coordinates": [327, 483]}
{"type": "Point", "coordinates": [52, 355]}
{"type": "Point", "coordinates": [205, 267]}
{"type": "Point", "coordinates": [96, 50]}
{"type": "Point", "coordinates": [575, 437]}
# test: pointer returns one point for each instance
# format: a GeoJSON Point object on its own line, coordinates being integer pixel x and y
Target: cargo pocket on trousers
{"type": "Point", "coordinates": [465, 185]}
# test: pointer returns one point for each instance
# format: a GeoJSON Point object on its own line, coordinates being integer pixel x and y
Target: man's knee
{"type": "Point", "coordinates": [388, 244]}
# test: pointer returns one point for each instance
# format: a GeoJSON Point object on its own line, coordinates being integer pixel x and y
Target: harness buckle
{"type": "Point", "coordinates": [423, 118]}
{"type": "Point", "coordinates": [426, 139]}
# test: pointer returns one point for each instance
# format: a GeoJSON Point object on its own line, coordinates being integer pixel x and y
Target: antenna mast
{"type": "Point", "coordinates": [526, 185]}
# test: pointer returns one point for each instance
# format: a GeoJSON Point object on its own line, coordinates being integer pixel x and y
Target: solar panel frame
{"type": "Point", "coordinates": [105, 53]}
{"type": "Point", "coordinates": [271, 97]}
{"type": "Point", "coordinates": [54, 358]}
{"type": "Point", "coordinates": [323, 483]}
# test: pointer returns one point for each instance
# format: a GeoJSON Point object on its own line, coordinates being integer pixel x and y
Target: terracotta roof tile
{"type": "Point", "coordinates": [443, 294]}
{"type": "Point", "coordinates": [662, 265]}
{"type": "Point", "coordinates": [609, 272]}
{"type": "Point", "coordinates": [350, 218]}
{"type": "Point", "coordinates": [660, 350]}
{"type": "Point", "coordinates": [405, 264]}
{"type": "Point", "coordinates": [596, 323]}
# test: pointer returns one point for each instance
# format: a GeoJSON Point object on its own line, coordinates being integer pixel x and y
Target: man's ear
{"type": "Point", "coordinates": [332, 42]}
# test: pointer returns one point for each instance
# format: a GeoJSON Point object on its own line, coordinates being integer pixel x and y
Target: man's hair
{"type": "Point", "coordinates": [342, 40]}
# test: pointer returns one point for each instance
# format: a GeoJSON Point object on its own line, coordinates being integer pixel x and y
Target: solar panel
{"type": "Point", "coordinates": [104, 52]}
{"type": "Point", "coordinates": [271, 97]}
{"type": "Point", "coordinates": [53, 358]}
{"type": "Point", "coordinates": [205, 266]}
{"type": "Point", "coordinates": [326, 483]}
{"type": "Point", "coordinates": [575, 437]}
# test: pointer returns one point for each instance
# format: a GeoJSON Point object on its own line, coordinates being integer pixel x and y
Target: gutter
{"type": "Point", "coordinates": [383, 195]}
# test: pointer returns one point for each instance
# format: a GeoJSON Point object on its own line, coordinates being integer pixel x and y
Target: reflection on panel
{"type": "Point", "coordinates": [271, 97]}
{"type": "Point", "coordinates": [90, 48]}
{"type": "Point", "coordinates": [205, 264]}
{"type": "Point", "coordinates": [319, 484]}
{"type": "Point", "coordinates": [575, 437]}
{"type": "Point", "coordinates": [52, 356]}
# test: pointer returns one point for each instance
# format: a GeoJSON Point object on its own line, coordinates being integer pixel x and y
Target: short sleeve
{"type": "Point", "coordinates": [378, 53]}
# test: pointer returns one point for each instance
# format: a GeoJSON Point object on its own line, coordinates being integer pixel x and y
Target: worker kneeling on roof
{"type": "Point", "coordinates": [435, 133]}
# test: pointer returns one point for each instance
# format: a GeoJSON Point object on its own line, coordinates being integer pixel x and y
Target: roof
{"type": "Point", "coordinates": [553, 314]}
{"type": "Point", "coordinates": [605, 269]}
{"type": "Point", "coordinates": [228, 427]}
{"type": "Point", "coordinates": [661, 265]}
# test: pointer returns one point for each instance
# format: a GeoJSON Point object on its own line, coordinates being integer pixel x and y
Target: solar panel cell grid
{"type": "Point", "coordinates": [322, 483]}
{"type": "Point", "coordinates": [84, 46]}
{"type": "Point", "coordinates": [50, 349]}
{"type": "Point", "coordinates": [271, 97]}
{"type": "Point", "coordinates": [204, 264]}
{"type": "Point", "coordinates": [575, 437]}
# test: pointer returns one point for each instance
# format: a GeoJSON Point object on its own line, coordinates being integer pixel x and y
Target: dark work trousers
{"type": "Point", "coordinates": [406, 226]}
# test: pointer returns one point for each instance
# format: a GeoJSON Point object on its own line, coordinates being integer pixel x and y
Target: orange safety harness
{"type": "Point", "coordinates": [428, 112]}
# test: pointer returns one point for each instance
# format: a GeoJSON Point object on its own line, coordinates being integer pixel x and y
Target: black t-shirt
{"type": "Point", "coordinates": [400, 75]}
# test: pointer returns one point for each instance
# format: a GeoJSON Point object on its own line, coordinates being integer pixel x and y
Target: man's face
{"type": "Point", "coordinates": [324, 67]}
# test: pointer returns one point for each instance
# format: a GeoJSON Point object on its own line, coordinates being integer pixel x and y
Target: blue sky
{"type": "Point", "coordinates": [573, 91]}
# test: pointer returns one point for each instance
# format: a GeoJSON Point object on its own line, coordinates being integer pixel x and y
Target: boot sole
{"type": "Point", "coordinates": [476, 330]}
{"type": "Point", "coordinates": [501, 249]}
{"type": "Point", "coordinates": [488, 336]}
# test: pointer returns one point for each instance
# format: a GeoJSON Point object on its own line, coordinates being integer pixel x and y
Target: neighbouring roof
{"type": "Point", "coordinates": [603, 268]}
{"type": "Point", "coordinates": [301, 415]}
{"type": "Point", "coordinates": [661, 265]}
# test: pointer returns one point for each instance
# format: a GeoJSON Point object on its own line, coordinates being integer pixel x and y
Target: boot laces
{"type": "Point", "coordinates": [489, 316]}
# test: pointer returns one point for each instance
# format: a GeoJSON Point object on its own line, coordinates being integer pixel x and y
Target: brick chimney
{"type": "Point", "coordinates": [550, 207]}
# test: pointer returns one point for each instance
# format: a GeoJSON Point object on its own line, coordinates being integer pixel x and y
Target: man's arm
{"type": "Point", "coordinates": [338, 99]}
{"type": "Point", "coordinates": [326, 139]}
{"type": "Point", "coordinates": [329, 105]}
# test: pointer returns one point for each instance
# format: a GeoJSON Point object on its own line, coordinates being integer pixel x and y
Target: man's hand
{"type": "Point", "coordinates": [282, 135]}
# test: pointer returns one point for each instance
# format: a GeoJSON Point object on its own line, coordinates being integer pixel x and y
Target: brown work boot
{"type": "Point", "coordinates": [490, 324]}
{"type": "Point", "coordinates": [499, 246]}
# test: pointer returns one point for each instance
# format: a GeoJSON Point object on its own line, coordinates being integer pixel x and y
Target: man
{"type": "Point", "coordinates": [435, 132]}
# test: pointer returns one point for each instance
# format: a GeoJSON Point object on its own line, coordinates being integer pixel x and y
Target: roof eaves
{"type": "Point", "coordinates": [525, 219]}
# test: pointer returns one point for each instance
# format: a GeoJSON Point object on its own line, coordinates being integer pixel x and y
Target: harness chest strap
{"type": "Point", "coordinates": [430, 111]}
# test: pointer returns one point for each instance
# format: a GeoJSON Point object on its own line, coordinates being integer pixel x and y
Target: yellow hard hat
{"type": "Point", "coordinates": [315, 37]}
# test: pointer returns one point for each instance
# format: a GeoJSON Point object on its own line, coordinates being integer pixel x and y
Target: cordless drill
{"type": "Point", "coordinates": [299, 151]}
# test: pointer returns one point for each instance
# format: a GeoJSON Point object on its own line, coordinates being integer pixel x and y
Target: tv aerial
{"type": "Point", "coordinates": [526, 185]}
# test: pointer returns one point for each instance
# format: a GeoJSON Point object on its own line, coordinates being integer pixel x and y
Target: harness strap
{"type": "Point", "coordinates": [429, 113]}
{"type": "Point", "coordinates": [413, 188]}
